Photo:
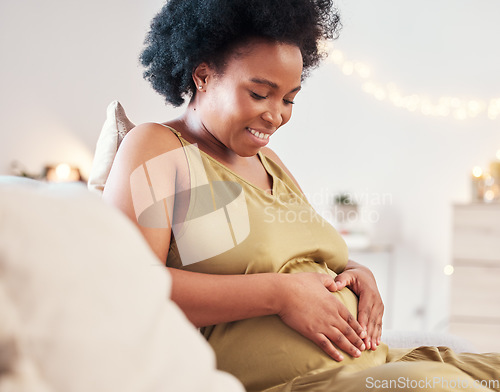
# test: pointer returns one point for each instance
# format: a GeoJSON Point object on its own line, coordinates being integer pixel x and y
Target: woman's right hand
{"type": "Point", "coordinates": [307, 306]}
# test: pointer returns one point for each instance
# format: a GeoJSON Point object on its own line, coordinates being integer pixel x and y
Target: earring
{"type": "Point", "coordinates": [200, 87]}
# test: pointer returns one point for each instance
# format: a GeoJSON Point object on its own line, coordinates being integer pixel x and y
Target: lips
{"type": "Point", "coordinates": [260, 135]}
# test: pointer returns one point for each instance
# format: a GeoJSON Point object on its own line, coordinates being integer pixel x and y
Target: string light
{"type": "Point", "coordinates": [448, 269]}
{"type": "Point", "coordinates": [446, 106]}
{"type": "Point", "coordinates": [477, 172]}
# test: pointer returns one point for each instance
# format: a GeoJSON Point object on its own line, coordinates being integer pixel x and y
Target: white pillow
{"type": "Point", "coordinates": [88, 302]}
{"type": "Point", "coordinates": [113, 131]}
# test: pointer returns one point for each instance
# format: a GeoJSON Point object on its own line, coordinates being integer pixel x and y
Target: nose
{"type": "Point", "coordinates": [273, 116]}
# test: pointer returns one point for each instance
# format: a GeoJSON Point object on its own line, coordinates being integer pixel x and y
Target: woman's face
{"type": "Point", "coordinates": [253, 97]}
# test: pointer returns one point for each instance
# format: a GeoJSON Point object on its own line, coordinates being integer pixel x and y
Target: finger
{"type": "Point", "coordinates": [338, 338]}
{"type": "Point", "coordinates": [351, 336]}
{"type": "Point", "coordinates": [378, 327]}
{"type": "Point", "coordinates": [326, 345]}
{"type": "Point", "coordinates": [369, 327]}
{"type": "Point", "coordinates": [340, 285]}
{"type": "Point", "coordinates": [362, 316]}
{"type": "Point", "coordinates": [367, 341]}
{"type": "Point", "coordinates": [363, 313]}
{"type": "Point", "coordinates": [379, 334]}
{"type": "Point", "coordinates": [343, 279]}
{"type": "Point", "coordinates": [329, 282]}
{"type": "Point", "coordinates": [365, 310]}
{"type": "Point", "coordinates": [353, 323]}
{"type": "Point", "coordinates": [374, 327]}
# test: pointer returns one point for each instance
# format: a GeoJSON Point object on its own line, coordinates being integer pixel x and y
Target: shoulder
{"type": "Point", "coordinates": [141, 145]}
{"type": "Point", "coordinates": [270, 154]}
{"type": "Point", "coordinates": [149, 140]}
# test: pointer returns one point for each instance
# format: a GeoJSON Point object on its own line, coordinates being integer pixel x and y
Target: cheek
{"type": "Point", "coordinates": [239, 107]}
{"type": "Point", "coordinates": [287, 114]}
{"type": "Point", "coordinates": [225, 102]}
{"type": "Point", "coordinates": [226, 112]}
{"type": "Point", "coordinates": [217, 109]}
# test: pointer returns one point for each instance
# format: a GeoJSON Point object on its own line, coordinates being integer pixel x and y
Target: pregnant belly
{"type": "Point", "coordinates": [263, 352]}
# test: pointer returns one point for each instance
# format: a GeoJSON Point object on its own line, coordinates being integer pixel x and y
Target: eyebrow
{"type": "Point", "coordinates": [271, 84]}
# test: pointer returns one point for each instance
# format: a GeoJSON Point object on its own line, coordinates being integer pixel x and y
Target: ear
{"type": "Point", "coordinates": [201, 75]}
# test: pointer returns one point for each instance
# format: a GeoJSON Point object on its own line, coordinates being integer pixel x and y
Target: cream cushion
{"type": "Point", "coordinates": [84, 302]}
{"type": "Point", "coordinates": [115, 127]}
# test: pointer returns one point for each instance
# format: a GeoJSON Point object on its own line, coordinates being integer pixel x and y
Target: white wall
{"type": "Point", "coordinates": [64, 61]}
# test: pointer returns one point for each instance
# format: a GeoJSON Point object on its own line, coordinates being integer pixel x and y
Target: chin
{"type": "Point", "coordinates": [248, 152]}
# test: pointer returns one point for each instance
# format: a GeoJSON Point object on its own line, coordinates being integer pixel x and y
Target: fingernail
{"type": "Point", "coordinates": [368, 344]}
{"type": "Point", "coordinates": [341, 357]}
{"type": "Point", "coordinates": [362, 334]}
{"type": "Point", "coordinates": [358, 353]}
{"type": "Point", "coordinates": [363, 347]}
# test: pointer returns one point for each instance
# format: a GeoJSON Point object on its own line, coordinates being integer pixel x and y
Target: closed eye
{"type": "Point", "coordinates": [257, 96]}
{"type": "Point", "coordinates": [288, 102]}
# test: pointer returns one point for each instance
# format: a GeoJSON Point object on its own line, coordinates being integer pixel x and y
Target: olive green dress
{"type": "Point", "coordinates": [280, 232]}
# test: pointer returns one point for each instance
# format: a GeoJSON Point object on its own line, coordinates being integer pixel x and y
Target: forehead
{"type": "Point", "coordinates": [279, 62]}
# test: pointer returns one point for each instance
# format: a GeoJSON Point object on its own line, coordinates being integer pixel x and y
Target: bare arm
{"type": "Point", "coordinates": [207, 299]}
{"type": "Point", "coordinates": [303, 301]}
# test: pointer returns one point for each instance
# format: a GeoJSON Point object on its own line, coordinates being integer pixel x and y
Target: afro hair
{"type": "Point", "coordinates": [186, 33]}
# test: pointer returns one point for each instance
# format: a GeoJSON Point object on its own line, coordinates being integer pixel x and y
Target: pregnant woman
{"type": "Point", "coordinates": [266, 279]}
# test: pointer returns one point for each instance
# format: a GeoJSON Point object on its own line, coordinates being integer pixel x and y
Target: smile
{"type": "Point", "coordinates": [260, 135]}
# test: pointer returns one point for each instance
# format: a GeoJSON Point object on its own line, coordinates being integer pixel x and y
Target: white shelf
{"type": "Point", "coordinates": [475, 296]}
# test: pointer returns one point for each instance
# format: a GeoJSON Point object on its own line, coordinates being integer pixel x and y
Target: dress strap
{"type": "Point", "coordinates": [176, 133]}
{"type": "Point", "coordinates": [196, 169]}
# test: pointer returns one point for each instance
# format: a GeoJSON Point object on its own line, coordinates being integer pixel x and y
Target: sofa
{"type": "Point", "coordinates": [85, 304]}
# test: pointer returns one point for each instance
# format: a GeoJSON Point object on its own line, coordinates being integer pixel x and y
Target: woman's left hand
{"type": "Point", "coordinates": [370, 307]}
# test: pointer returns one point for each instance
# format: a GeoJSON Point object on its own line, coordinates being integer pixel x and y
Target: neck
{"type": "Point", "coordinates": [195, 131]}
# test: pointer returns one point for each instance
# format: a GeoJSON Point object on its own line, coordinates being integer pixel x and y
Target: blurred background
{"type": "Point", "coordinates": [383, 140]}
